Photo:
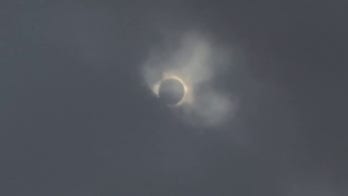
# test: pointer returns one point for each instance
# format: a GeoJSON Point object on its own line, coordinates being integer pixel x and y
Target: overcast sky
{"type": "Point", "coordinates": [76, 118]}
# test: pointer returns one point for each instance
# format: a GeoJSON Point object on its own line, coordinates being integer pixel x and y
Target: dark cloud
{"type": "Point", "coordinates": [77, 119]}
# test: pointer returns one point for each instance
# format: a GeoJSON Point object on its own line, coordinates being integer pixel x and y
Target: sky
{"type": "Point", "coordinates": [77, 116]}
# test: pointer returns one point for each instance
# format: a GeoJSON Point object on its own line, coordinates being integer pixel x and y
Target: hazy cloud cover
{"type": "Point", "coordinates": [78, 116]}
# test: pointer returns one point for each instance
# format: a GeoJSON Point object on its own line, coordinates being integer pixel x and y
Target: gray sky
{"type": "Point", "coordinates": [77, 119]}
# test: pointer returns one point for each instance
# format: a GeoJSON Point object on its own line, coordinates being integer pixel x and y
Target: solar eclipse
{"type": "Point", "coordinates": [173, 90]}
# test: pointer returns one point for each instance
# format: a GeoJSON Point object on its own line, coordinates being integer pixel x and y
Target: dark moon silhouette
{"type": "Point", "coordinates": [171, 91]}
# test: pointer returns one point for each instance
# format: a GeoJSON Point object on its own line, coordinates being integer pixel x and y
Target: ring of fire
{"type": "Point", "coordinates": [187, 96]}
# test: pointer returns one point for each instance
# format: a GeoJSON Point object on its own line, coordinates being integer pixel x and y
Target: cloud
{"type": "Point", "coordinates": [197, 61]}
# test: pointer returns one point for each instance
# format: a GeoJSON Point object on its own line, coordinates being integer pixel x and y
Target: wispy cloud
{"type": "Point", "coordinates": [197, 60]}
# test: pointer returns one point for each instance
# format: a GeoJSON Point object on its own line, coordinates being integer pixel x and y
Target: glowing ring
{"type": "Point", "coordinates": [186, 98]}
